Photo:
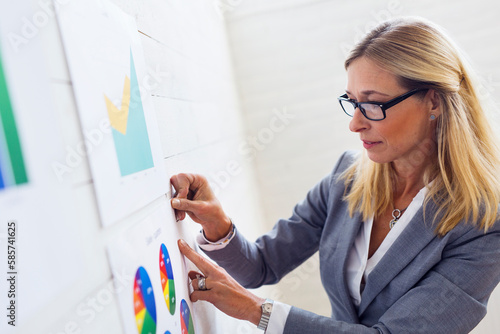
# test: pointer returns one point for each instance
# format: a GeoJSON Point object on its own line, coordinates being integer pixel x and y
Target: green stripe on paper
{"type": "Point", "coordinates": [10, 131]}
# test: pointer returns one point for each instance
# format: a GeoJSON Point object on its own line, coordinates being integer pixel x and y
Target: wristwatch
{"type": "Point", "coordinates": [267, 308]}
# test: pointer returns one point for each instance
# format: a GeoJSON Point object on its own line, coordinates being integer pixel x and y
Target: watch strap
{"type": "Point", "coordinates": [267, 308]}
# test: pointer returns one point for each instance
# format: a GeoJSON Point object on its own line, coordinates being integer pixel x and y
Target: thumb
{"type": "Point", "coordinates": [183, 204]}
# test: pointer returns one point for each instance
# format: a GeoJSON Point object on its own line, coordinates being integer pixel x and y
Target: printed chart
{"type": "Point", "coordinates": [130, 133]}
{"type": "Point", "coordinates": [144, 303]}
{"type": "Point", "coordinates": [111, 81]}
{"type": "Point", "coordinates": [167, 279]}
{"type": "Point", "coordinates": [147, 253]}
{"type": "Point", "coordinates": [34, 204]}
{"type": "Point", "coordinates": [186, 319]}
{"type": "Point", "coordinates": [12, 167]}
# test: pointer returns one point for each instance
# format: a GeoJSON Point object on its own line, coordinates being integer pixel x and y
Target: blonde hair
{"type": "Point", "coordinates": [465, 177]}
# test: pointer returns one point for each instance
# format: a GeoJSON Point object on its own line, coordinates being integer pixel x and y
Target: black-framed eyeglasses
{"type": "Point", "coordinates": [374, 111]}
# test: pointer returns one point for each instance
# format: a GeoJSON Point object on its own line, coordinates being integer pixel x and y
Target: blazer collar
{"type": "Point", "coordinates": [412, 240]}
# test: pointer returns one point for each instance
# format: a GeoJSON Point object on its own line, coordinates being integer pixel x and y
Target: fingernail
{"type": "Point", "coordinates": [175, 202]}
{"type": "Point", "coordinates": [183, 243]}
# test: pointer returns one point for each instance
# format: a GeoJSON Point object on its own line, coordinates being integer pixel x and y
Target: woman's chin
{"type": "Point", "coordinates": [378, 158]}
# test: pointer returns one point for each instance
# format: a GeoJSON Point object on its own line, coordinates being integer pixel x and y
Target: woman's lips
{"type": "Point", "coordinates": [369, 144]}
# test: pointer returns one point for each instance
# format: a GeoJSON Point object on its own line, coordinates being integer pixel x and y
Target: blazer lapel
{"type": "Point", "coordinates": [412, 240]}
{"type": "Point", "coordinates": [347, 235]}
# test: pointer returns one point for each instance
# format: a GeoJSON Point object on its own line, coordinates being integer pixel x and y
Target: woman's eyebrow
{"type": "Point", "coordinates": [368, 92]}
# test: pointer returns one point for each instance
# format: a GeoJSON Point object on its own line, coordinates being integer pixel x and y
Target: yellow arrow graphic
{"type": "Point", "coordinates": [118, 117]}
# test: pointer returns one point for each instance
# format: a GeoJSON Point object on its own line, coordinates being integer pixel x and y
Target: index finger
{"type": "Point", "coordinates": [191, 186]}
{"type": "Point", "coordinates": [199, 261]}
{"type": "Point", "coordinates": [181, 183]}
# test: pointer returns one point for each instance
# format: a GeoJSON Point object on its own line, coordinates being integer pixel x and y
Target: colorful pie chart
{"type": "Point", "coordinates": [144, 303]}
{"type": "Point", "coordinates": [186, 319]}
{"type": "Point", "coordinates": [167, 279]}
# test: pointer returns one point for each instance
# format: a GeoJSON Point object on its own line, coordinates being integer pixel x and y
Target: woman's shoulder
{"type": "Point", "coordinates": [335, 178]}
{"type": "Point", "coordinates": [470, 229]}
{"type": "Point", "coordinates": [345, 161]}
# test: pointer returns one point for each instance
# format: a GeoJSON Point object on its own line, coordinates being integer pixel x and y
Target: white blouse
{"type": "Point", "coordinates": [359, 266]}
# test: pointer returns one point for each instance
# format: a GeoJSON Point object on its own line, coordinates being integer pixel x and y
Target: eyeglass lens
{"type": "Point", "coordinates": [372, 111]}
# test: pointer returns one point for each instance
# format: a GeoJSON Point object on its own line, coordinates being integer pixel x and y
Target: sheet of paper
{"type": "Point", "coordinates": [39, 247]}
{"type": "Point", "coordinates": [111, 82]}
{"type": "Point", "coordinates": [150, 276]}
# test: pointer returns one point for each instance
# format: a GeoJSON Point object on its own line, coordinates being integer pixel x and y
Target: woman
{"type": "Point", "coordinates": [408, 232]}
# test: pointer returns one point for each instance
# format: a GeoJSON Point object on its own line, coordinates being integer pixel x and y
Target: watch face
{"type": "Point", "coordinates": [268, 307]}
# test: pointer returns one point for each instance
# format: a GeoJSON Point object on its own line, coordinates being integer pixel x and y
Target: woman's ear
{"type": "Point", "coordinates": [434, 102]}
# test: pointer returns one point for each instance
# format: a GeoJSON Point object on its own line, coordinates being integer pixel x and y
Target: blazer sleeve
{"type": "Point", "coordinates": [450, 298]}
{"type": "Point", "coordinates": [287, 245]}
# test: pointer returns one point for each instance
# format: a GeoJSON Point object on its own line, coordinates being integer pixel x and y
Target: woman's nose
{"type": "Point", "coordinates": [358, 122]}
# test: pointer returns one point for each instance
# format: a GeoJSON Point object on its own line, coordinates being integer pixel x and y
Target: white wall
{"type": "Point", "coordinates": [196, 103]}
{"type": "Point", "coordinates": [289, 54]}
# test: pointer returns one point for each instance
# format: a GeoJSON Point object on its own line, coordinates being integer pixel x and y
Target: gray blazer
{"type": "Point", "coordinates": [423, 284]}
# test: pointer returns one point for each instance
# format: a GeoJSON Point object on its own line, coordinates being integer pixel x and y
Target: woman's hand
{"type": "Point", "coordinates": [222, 290]}
{"type": "Point", "coordinates": [194, 197]}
